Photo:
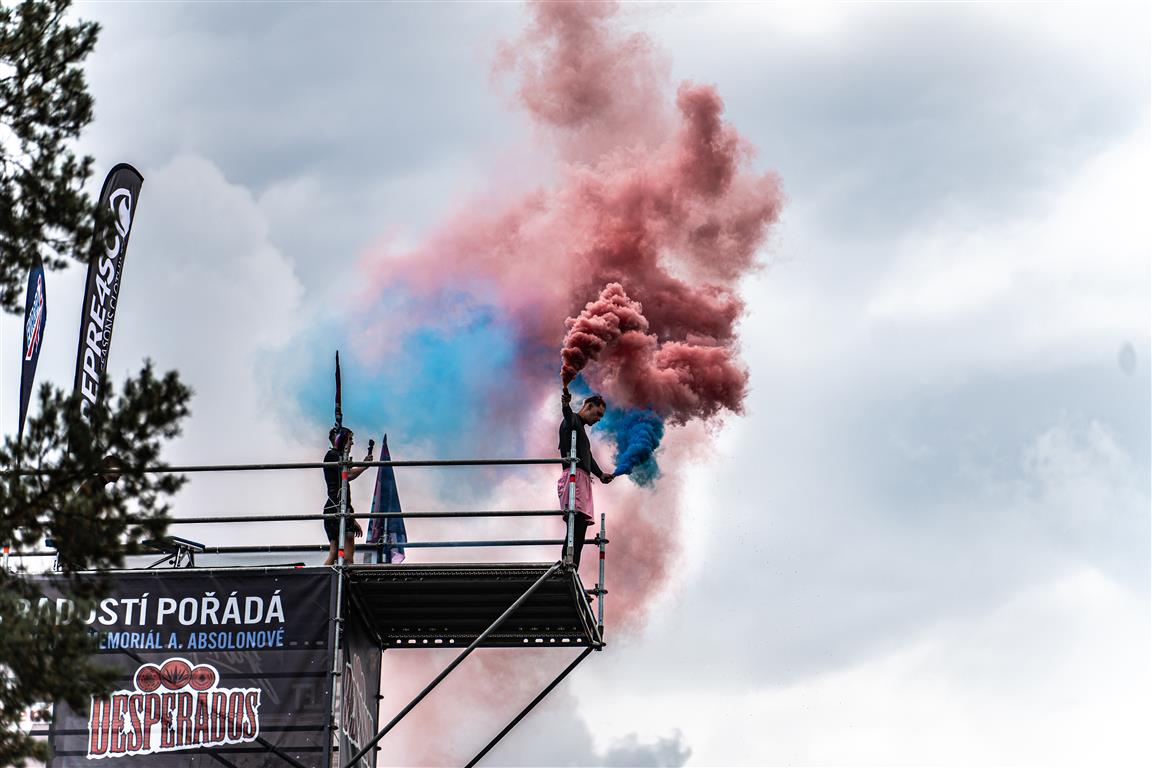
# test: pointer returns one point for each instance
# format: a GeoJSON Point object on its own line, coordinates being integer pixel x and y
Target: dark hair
{"type": "Point", "coordinates": [111, 468]}
{"type": "Point", "coordinates": [337, 435]}
{"type": "Point", "coordinates": [594, 400]}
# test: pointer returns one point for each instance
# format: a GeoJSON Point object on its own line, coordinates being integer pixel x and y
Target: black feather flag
{"type": "Point", "coordinates": [339, 411]}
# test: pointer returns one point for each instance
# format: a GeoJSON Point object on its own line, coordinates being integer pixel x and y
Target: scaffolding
{"type": "Point", "coordinates": [465, 606]}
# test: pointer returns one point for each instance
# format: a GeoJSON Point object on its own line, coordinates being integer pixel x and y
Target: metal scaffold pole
{"type": "Point", "coordinates": [455, 663]}
{"type": "Point", "coordinates": [571, 510]}
{"type": "Point", "coordinates": [340, 569]}
{"type": "Point", "coordinates": [601, 589]}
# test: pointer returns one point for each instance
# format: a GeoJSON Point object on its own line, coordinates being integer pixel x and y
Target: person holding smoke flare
{"type": "Point", "coordinates": [340, 439]}
{"type": "Point", "coordinates": [591, 411]}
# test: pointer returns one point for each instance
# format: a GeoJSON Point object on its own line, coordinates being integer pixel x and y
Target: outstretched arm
{"type": "Point", "coordinates": [355, 472]}
{"type": "Point", "coordinates": [604, 477]}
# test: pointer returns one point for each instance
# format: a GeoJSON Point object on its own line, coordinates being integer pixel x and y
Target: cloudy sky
{"type": "Point", "coordinates": [927, 539]}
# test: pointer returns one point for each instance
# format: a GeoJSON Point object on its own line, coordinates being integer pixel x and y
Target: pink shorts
{"type": "Point", "coordinates": [583, 493]}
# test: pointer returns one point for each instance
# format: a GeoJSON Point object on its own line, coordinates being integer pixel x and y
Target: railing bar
{"type": "Point", "coordinates": [358, 516]}
{"type": "Point", "coordinates": [318, 465]}
{"type": "Point", "coordinates": [324, 547]}
{"type": "Point", "coordinates": [220, 519]}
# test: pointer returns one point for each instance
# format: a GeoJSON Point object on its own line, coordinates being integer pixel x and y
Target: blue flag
{"type": "Point", "coordinates": [35, 318]}
{"type": "Point", "coordinates": [387, 533]}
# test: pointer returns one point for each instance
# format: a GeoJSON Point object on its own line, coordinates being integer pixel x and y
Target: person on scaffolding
{"type": "Point", "coordinates": [75, 526]}
{"type": "Point", "coordinates": [341, 440]}
{"type": "Point", "coordinates": [591, 411]}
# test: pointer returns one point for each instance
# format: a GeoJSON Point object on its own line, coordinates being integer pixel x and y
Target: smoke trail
{"type": "Point", "coordinates": [649, 189]}
{"type": "Point", "coordinates": [601, 323]}
{"type": "Point", "coordinates": [637, 435]}
{"type": "Point", "coordinates": [655, 195]}
{"type": "Point", "coordinates": [678, 380]}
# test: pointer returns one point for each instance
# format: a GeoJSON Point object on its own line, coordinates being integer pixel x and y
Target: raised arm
{"type": "Point", "coordinates": [355, 472]}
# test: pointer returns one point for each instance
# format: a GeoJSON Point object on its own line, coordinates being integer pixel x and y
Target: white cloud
{"type": "Point", "coordinates": [1058, 675]}
{"type": "Point", "coordinates": [927, 541]}
{"type": "Point", "coordinates": [206, 293]}
{"type": "Point", "coordinates": [1082, 487]}
{"type": "Point", "coordinates": [1057, 282]}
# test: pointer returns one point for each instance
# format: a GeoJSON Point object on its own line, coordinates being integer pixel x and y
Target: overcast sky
{"type": "Point", "coordinates": [928, 539]}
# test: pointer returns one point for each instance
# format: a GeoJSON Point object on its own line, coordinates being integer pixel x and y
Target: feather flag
{"type": "Point", "coordinates": [118, 199]}
{"type": "Point", "coordinates": [35, 318]}
{"type": "Point", "coordinates": [339, 410]}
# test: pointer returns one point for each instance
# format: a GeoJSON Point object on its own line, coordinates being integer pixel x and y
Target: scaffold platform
{"type": "Point", "coordinates": [252, 665]}
{"type": "Point", "coordinates": [451, 604]}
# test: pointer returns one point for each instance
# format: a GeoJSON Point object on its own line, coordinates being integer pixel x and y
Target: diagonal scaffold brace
{"type": "Point", "coordinates": [532, 705]}
{"type": "Point", "coordinates": [448, 669]}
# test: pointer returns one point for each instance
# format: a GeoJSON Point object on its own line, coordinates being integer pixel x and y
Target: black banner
{"type": "Point", "coordinates": [339, 410]}
{"type": "Point", "coordinates": [359, 705]}
{"type": "Point", "coordinates": [35, 319]}
{"type": "Point", "coordinates": [98, 311]}
{"type": "Point", "coordinates": [230, 663]}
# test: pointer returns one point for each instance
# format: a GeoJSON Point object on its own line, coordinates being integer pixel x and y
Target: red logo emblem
{"type": "Point", "coordinates": [174, 706]}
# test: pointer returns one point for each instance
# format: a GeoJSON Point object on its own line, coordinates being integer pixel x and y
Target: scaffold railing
{"type": "Point", "coordinates": [344, 516]}
{"type": "Point", "coordinates": [593, 625]}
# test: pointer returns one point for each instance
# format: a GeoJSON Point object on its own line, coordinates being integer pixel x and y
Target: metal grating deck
{"type": "Point", "coordinates": [448, 605]}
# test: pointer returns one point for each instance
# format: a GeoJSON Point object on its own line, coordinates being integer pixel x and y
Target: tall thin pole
{"type": "Point", "coordinates": [345, 457]}
{"type": "Point", "coordinates": [341, 570]}
{"type": "Point", "coordinates": [601, 590]}
{"type": "Point", "coordinates": [571, 500]}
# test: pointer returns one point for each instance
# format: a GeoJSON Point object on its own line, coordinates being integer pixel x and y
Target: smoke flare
{"type": "Point", "coordinates": [601, 323]}
{"type": "Point", "coordinates": [652, 197]}
{"type": "Point", "coordinates": [641, 232]}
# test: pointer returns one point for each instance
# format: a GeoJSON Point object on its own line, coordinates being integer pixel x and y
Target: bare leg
{"type": "Point", "coordinates": [349, 550]}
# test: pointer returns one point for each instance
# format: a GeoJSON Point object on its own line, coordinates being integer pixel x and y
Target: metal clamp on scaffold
{"type": "Point", "coordinates": [178, 552]}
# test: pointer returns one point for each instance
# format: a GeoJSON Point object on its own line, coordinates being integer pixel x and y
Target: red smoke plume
{"type": "Point", "coordinates": [600, 324]}
{"type": "Point", "coordinates": [680, 380]}
{"type": "Point", "coordinates": [640, 233]}
{"type": "Point", "coordinates": [662, 203]}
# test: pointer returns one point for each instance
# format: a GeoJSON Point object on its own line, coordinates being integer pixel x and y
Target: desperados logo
{"type": "Point", "coordinates": [174, 706]}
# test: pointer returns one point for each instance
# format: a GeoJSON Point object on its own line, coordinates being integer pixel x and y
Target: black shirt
{"type": "Point", "coordinates": [332, 480]}
{"type": "Point", "coordinates": [584, 458]}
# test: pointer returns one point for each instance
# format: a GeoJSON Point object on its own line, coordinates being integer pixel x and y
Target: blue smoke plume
{"type": "Point", "coordinates": [637, 433]}
{"type": "Point", "coordinates": [447, 387]}
{"type": "Point", "coordinates": [434, 388]}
